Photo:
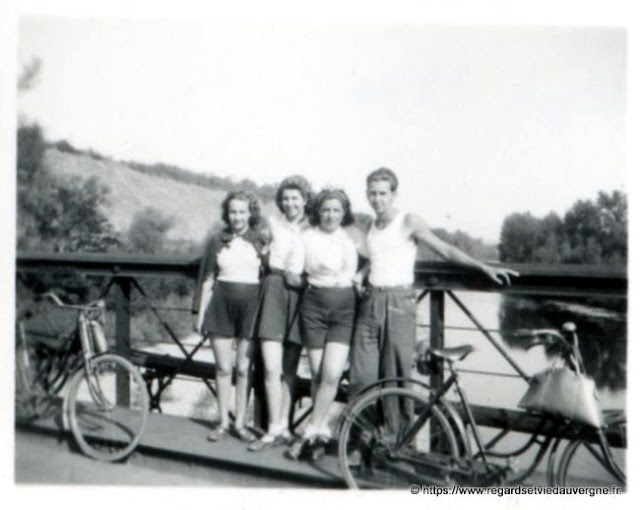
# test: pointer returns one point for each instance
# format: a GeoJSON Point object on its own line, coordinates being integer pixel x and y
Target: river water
{"type": "Point", "coordinates": [602, 333]}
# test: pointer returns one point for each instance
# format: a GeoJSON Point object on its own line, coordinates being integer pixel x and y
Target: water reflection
{"type": "Point", "coordinates": [602, 328]}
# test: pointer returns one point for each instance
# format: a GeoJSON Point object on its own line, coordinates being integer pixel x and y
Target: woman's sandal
{"type": "Point", "coordinates": [244, 434]}
{"type": "Point", "coordinates": [218, 433]}
{"type": "Point", "coordinates": [267, 441]}
{"type": "Point", "coordinates": [312, 448]}
{"type": "Point", "coordinates": [297, 447]}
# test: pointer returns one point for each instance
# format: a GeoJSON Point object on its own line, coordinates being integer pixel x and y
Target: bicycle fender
{"type": "Point", "coordinates": [455, 420]}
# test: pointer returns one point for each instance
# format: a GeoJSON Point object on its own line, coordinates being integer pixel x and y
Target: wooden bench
{"type": "Point", "coordinates": [164, 364]}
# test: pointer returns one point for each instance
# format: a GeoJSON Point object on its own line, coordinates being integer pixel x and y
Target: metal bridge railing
{"type": "Point", "coordinates": [434, 280]}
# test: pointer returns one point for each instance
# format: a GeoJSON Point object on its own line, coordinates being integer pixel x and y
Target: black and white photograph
{"type": "Point", "coordinates": [331, 252]}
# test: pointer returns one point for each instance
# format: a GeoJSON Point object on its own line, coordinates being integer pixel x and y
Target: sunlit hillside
{"type": "Point", "coordinates": [194, 207]}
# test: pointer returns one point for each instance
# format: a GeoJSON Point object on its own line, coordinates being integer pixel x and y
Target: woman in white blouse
{"type": "Point", "coordinates": [278, 322]}
{"type": "Point", "coordinates": [232, 263]}
{"type": "Point", "coordinates": [328, 307]}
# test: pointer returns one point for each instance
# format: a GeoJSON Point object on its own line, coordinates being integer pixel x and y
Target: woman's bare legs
{"type": "Point", "coordinates": [244, 353]}
{"type": "Point", "coordinates": [223, 352]}
{"type": "Point", "coordinates": [272, 359]}
{"type": "Point", "coordinates": [329, 366]}
{"type": "Point", "coordinates": [290, 360]}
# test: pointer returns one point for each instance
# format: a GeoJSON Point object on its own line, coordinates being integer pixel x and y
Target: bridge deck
{"type": "Point", "coordinates": [182, 438]}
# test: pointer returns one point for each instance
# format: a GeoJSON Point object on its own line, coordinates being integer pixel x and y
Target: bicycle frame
{"type": "Point", "coordinates": [483, 451]}
{"type": "Point", "coordinates": [87, 331]}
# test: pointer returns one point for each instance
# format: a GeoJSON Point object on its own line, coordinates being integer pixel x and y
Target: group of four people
{"type": "Point", "coordinates": [295, 281]}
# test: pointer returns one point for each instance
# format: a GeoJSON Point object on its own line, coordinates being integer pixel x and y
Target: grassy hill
{"type": "Point", "coordinates": [195, 208]}
{"type": "Point", "coordinates": [192, 200]}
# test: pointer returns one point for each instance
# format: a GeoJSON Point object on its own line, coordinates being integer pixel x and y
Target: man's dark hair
{"type": "Point", "coordinates": [383, 174]}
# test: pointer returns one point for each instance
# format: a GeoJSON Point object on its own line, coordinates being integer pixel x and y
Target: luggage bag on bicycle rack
{"type": "Point", "coordinates": [564, 392]}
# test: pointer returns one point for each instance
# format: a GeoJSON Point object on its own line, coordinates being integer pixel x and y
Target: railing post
{"type": "Point", "coordinates": [436, 334]}
{"type": "Point", "coordinates": [123, 327]}
{"type": "Point", "coordinates": [436, 341]}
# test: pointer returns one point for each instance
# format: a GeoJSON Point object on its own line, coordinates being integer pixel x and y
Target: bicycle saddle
{"type": "Point", "coordinates": [453, 353]}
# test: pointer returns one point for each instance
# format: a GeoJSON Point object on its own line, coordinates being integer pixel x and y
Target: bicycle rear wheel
{"type": "Point", "coordinates": [377, 450]}
{"type": "Point", "coordinates": [29, 397]}
{"type": "Point", "coordinates": [583, 463]}
{"type": "Point", "coordinates": [107, 427]}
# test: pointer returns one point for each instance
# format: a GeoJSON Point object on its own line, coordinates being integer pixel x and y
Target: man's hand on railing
{"type": "Point", "coordinates": [500, 275]}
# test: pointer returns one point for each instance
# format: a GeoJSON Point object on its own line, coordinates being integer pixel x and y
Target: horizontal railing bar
{"type": "Point", "coordinates": [182, 261]}
{"type": "Point", "coordinates": [459, 328]}
{"type": "Point", "coordinates": [535, 279]}
{"type": "Point", "coordinates": [109, 264]}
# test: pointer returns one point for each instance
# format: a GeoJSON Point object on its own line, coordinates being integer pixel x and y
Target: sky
{"type": "Point", "coordinates": [477, 121]}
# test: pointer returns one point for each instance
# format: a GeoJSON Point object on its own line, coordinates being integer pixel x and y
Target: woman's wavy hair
{"type": "Point", "coordinates": [254, 206]}
{"type": "Point", "coordinates": [299, 183]}
{"type": "Point", "coordinates": [328, 194]}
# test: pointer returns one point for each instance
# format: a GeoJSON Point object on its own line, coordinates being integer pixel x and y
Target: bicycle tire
{"type": "Point", "coordinates": [28, 395]}
{"type": "Point", "coordinates": [582, 463]}
{"type": "Point", "coordinates": [104, 429]}
{"type": "Point", "coordinates": [25, 375]}
{"type": "Point", "coordinates": [373, 435]}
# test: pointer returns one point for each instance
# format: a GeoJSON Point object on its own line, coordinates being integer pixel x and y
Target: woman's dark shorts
{"type": "Point", "coordinates": [327, 315]}
{"type": "Point", "coordinates": [231, 311]}
{"type": "Point", "coordinates": [279, 316]}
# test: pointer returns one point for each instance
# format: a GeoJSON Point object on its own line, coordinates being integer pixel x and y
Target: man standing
{"type": "Point", "coordinates": [384, 338]}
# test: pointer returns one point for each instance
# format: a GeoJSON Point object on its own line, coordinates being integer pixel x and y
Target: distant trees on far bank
{"type": "Point", "coordinates": [591, 232]}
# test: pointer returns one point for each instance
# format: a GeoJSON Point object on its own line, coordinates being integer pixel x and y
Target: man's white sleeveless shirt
{"type": "Point", "coordinates": [392, 253]}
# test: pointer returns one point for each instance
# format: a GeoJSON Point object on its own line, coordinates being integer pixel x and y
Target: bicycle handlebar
{"type": "Point", "coordinates": [543, 333]}
{"type": "Point", "coordinates": [551, 337]}
{"type": "Point", "coordinates": [55, 299]}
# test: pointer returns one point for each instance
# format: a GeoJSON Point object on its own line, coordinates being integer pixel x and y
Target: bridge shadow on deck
{"type": "Point", "coordinates": [184, 440]}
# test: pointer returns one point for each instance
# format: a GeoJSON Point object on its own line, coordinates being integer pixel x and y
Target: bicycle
{"type": "Point", "coordinates": [106, 425]}
{"type": "Point", "coordinates": [393, 436]}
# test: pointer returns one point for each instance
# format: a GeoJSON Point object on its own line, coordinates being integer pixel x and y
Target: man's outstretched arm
{"type": "Point", "coordinates": [421, 231]}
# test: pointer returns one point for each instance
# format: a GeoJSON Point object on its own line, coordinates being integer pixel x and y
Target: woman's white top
{"type": "Point", "coordinates": [286, 251]}
{"type": "Point", "coordinates": [392, 253]}
{"type": "Point", "coordinates": [331, 259]}
{"type": "Point", "coordinates": [238, 262]}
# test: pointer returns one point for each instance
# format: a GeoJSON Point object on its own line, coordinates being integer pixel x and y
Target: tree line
{"type": "Point", "coordinates": [591, 232]}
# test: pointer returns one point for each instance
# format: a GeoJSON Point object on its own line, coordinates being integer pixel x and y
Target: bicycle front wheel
{"type": "Point", "coordinates": [106, 425]}
{"type": "Point", "coordinates": [392, 438]}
